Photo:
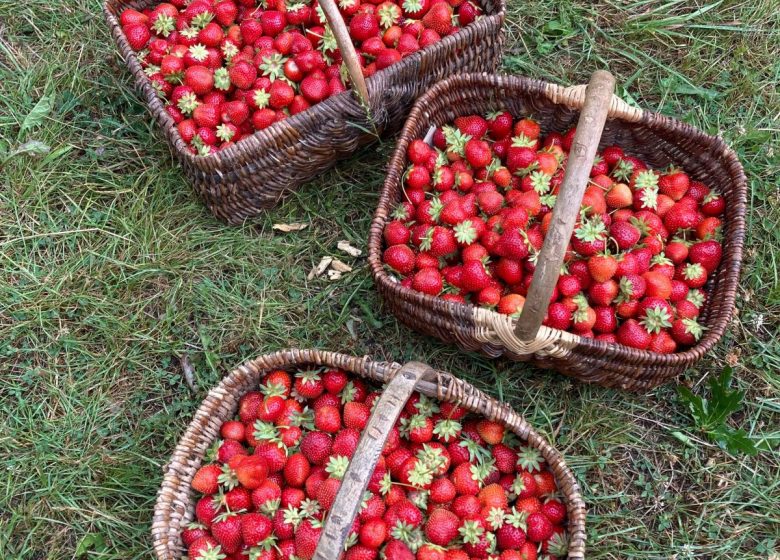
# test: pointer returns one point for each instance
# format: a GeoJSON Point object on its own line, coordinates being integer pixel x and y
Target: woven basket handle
{"type": "Point", "coordinates": [350, 495]}
{"type": "Point", "coordinates": [346, 47]}
{"type": "Point", "coordinates": [593, 116]}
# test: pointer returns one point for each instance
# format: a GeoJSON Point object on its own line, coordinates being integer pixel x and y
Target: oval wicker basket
{"type": "Point", "coordinates": [239, 182]}
{"type": "Point", "coordinates": [176, 500]}
{"type": "Point", "coordinates": [657, 139]}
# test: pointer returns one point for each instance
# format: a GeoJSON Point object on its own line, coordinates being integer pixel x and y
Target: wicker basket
{"type": "Point", "coordinates": [658, 139]}
{"type": "Point", "coordinates": [239, 182]}
{"type": "Point", "coordinates": [175, 502]}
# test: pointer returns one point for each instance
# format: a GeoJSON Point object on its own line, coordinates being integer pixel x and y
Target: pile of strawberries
{"type": "Point", "coordinates": [227, 68]}
{"type": "Point", "coordinates": [478, 205]}
{"type": "Point", "coordinates": [447, 486]}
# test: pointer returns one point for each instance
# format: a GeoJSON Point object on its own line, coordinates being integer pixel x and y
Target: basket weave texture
{"type": "Point", "coordinates": [239, 182]}
{"type": "Point", "coordinates": [657, 139]}
{"type": "Point", "coordinates": [174, 509]}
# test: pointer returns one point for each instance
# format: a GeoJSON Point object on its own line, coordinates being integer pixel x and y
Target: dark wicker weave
{"type": "Point", "coordinates": [176, 501]}
{"type": "Point", "coordinates": [658, 139]}
{"type": "Point", "coordinates": [240, 181]}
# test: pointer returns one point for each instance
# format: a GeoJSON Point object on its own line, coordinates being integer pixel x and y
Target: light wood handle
{"type": "Point", "coordinates": [350, 495]}
{"type": "Point", "coordinates": [348, 52]}
{"type": "Point", "coordinates": [593, 116]}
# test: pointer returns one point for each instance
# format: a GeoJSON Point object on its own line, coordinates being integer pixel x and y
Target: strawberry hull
{"type": "Point", "coordinates": [239, 181]}
{"type": "Point", "coordinates": [426, 489]}
{"type": "Point", "coordinates": [657, 141]}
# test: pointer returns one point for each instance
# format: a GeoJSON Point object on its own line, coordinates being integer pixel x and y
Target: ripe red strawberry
{"type": "Point", "coordinates": [472, 125]}
{"type": "Point", "coordinates": [356, 415]}
{"type": "Point", "coordinates": [428, 281]}
{"type": "Point", "coordinates": [681, 216]}
{"type": "Point", "coordinates": [510, 537]}
{"type": "Point", "coordinates": [625, 234]}
{"type": "Point", "coordinates": [707, 254]}
{"type": "Point", "coordinates": [464, 480]}
{"type": "Point", "coordinates": [477, 151]}
{"type": "Point", "coordinates": [500, 122]}
{"type": "Point", "coordinates": [713, 204]}
{"type": "Point", "coordinates": [206, 479]}
{"type": "Point", "coordinates": [693, 274]}
{"type": "Point", "coordinates": [602, 267]}
{"type": "Point", "coordinates": [199, 78]}
{"type": "Point", "coordinates": [555, 511]}
{"type": "Point", "coordinates": [442, 527]}
{"type": "Point", "coordinates": [400, 258]}
{"type": "Point", "coordinates": [307, 535]}
{"type": "Point", "coordinates": [255, 528]}
{"type": "Point", "coordinates": [281, 94]}
{"type": "Point", "coordinates": [439, 17]}
{"type": "Point", "coordinates": [475, 277]}
{"type": "Point", "coordinates": [674, 184]}
{"type": "Point", "coordinates": [539, 527]}
{"type": "Point", "coordinates": [633, 334]}
{"type": "Point", "coordinates": [686, 331]}
{"type": "Point", "coordinates": [363, 26]}
{"type": "Point", "coordinates": [316, 447]}
{"type": "Point", "coordinates": [226, 529]}
{"type": "Point", "coordinates": [250, 470]}
{"type": "Point", "coordinates": [138, 35]}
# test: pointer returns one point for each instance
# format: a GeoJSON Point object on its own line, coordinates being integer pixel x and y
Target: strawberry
{"type": "Point", "coordinates": [442, 527]}
{"type": "Point", "coordinates": [539, 527]}
{"type": "Point", "coordinates": [602, 267]}
{"type": "Point", "coordinates": [477, 151]}
{"type": "Point", "coordinates": [255, 528]}
{"type": "Point", "coordinates": [475, 277]}
{"type": "Point", "coordinates": [137, 35]}
{"type": "Point", "coordinates": [713, 204]}
{"type": "Point", "coordinates": [206, 479]}
{"type": "Point", "coordinates": [199, 78]}
{"type": "Point", "coordinates": [428, 281]}
{"type": "Point", "coordinates": [400, 258]}
{"type": "Point", "coordinates": [625, 234]}
{"type": "Point", "coordinates": [307, 535]}
{"type": "Point", "coordinates": [681, 216]}
{"type": "Point", "coordinates": [226, 529]}
{"type": "Point", "coordinates": [686, 332]}
{"type": "Point", "coordinates": [472, 125]}
{"type": "Point", "coordinates": [363, 26]}
{"type": "Point", "coordinates": [707, 254]}
{"type": "Point", "coordinates": [316, 447]}
{"type": "Point", "coordinates": [633, 334]}
{"type": "Point", "coordinates": [439, 18]}
{"type": "Point", "coordinates": [693, 274]}
{"type": "Point", "coordinates": [674, 184]}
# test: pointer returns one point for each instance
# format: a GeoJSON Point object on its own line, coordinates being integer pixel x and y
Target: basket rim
{"type": "Point", "coordinates": [277, 129]}
{"type": "Point", "coordinates": [176, 497]}
{"type": "Point", "coordinates": [736, 234]}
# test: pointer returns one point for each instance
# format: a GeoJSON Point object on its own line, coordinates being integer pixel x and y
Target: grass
{"type": "Point", "coordinates": [112, 270]}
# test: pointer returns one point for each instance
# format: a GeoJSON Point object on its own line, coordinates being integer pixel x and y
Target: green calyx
{"type": "Point", "coordinates": [456, 140]}
{"type": "Point", "coordinates": [273, 66]}
{"type": "Point", "coordinates": [540, 182]}
{"type": "Point", "coordinates": [164, 25]}
{"type": "Point", "coordinates": [337, 466]}
{"type": "Point", "coordinates": [187, 103]}
{"type": "Point", "coordinates": [693, 328]}
{"type": "Point", "coordinates": [656, 319]}
{"type": "Point", "coordinates": [221, 79]}
{"type": "Point", "coordinates": [465, 233]}
{"type": "Point", "coordinates": [530, 458]}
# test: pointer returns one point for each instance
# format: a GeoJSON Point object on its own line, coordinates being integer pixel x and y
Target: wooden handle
{"type": "Point", "coordinates": [348, 53]}
{"type": "Point", "coordinates": [350, 495]}
{"type": "Point", "coordinates": [593, 116]}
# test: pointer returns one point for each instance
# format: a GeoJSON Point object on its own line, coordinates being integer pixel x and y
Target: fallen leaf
{"type": "Point", "coordinates": [334, 274]}
{"type": "Point", "coordinates": [287, 228]}
{"type": "Point", "coordinates": [349, 249]}
{"type": "Point", "coordinates": [340, 266]}
{"type": "Point", "coordinates": [320, 268]}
